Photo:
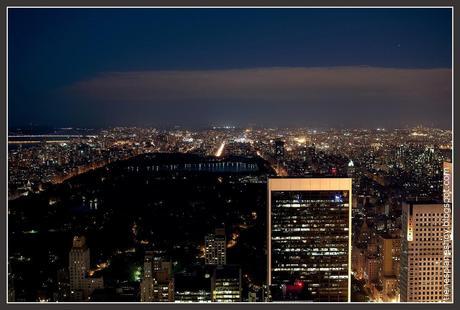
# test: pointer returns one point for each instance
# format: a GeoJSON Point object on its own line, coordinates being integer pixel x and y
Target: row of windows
{"type": "Point", "coordinates": [435, 259]}
{"type": "Point", "coordinates": [431, 268]}
{"type": "Point", "coordinates": [422, 263]}
{"type": "Point", "coordinates": [427, 298]}
{"type": "Point", "coordinates": [429, 234]}
{"type": "Point", "coordinates": [426, 253]}
{"type": "Point", "coordinates": [426, 292]}
{"type": "Point", "coordinates": [431, 285]}
{"type": "Point", "coordinates": [427, 214]}
{"type": "Point", "coordinates": [434, 278]}
{"type": "Point", "coordinates": [429, 229]}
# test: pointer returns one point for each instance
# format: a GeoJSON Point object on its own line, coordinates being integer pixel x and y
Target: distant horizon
{"type": "Point", "coordinates": [228, 127]}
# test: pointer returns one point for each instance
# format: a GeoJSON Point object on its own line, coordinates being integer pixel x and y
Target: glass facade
{"type": "Point", "coordinates": [310, 245]}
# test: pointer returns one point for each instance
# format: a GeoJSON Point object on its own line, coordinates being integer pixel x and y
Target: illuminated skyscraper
{"type": "Point", "coordinates": [79, 265]}
{"type": "Point", "coordinates": [309, 239]}
{"type": "Point", "coordinates": [216, 248]}
{"type": "Point", "coordinates": [82, 282]}
{"type": "Point", "coordinates": [424, 254]}
{"type": "Point", "coordinates": [148, 281]}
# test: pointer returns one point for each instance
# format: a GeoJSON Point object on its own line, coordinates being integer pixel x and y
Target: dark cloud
{"type": "Point", "coordinates": [334, 96]}
{"type": "Point", "coordinates": [301, 85]}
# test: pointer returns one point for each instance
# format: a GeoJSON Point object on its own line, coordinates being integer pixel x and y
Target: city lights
{"type": "Point", "coordinates": [230, 155]}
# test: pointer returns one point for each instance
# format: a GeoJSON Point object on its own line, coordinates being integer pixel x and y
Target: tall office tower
{"type": "Point", "coordinates": [279, 150]}
{"type": "Point", "coordinates": [423, 253]}
{"type": "Point", "coordinates": [226, 284]}
{"type": "Point", "coordinates": [216, 248]}
{"type": "Point", "coordinates": [82, 282]}
{"type": "Point", "coordinates": [309, 239]}
{"type": "Point", "coordinates": [148, 281]}
{"type": "Point", "coordinates": [79, 265]}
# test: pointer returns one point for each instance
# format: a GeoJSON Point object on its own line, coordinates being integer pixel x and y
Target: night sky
{"type": "Point", "coordinates": [199, 67]}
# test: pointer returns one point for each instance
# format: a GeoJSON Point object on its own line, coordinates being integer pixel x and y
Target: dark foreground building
{"type": "Point", "coordinates": [193, 285]}
{"type": "Point", "coordinates": [226, 284]}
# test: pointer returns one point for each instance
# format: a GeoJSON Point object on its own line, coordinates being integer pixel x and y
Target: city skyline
{"type": "Point", "coordinates": [131, 191]}
{"type": "Point", "coordinates": [230, 155]}
{"type": "Point", "coordinates": [318, 67]}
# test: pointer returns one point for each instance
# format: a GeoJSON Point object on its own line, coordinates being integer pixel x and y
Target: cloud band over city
{"type": "Point", "coordinates": [406, 86]}
{"type": "Point", "coordinates": [401, 91]}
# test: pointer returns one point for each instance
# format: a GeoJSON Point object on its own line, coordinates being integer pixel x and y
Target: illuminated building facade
{"type": "Point", "coordinates": [423, 254]}
{"type": "Point", "coordinates": [226, 284]}
{"type": "Point", "coordinates": [216, 248]}
{"type": "Point", "coordinates": [309, 239]}
{"type": "Point", "coordinates": [82, 284]}
{"type": "Point", "coordinates": [79, 265]}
